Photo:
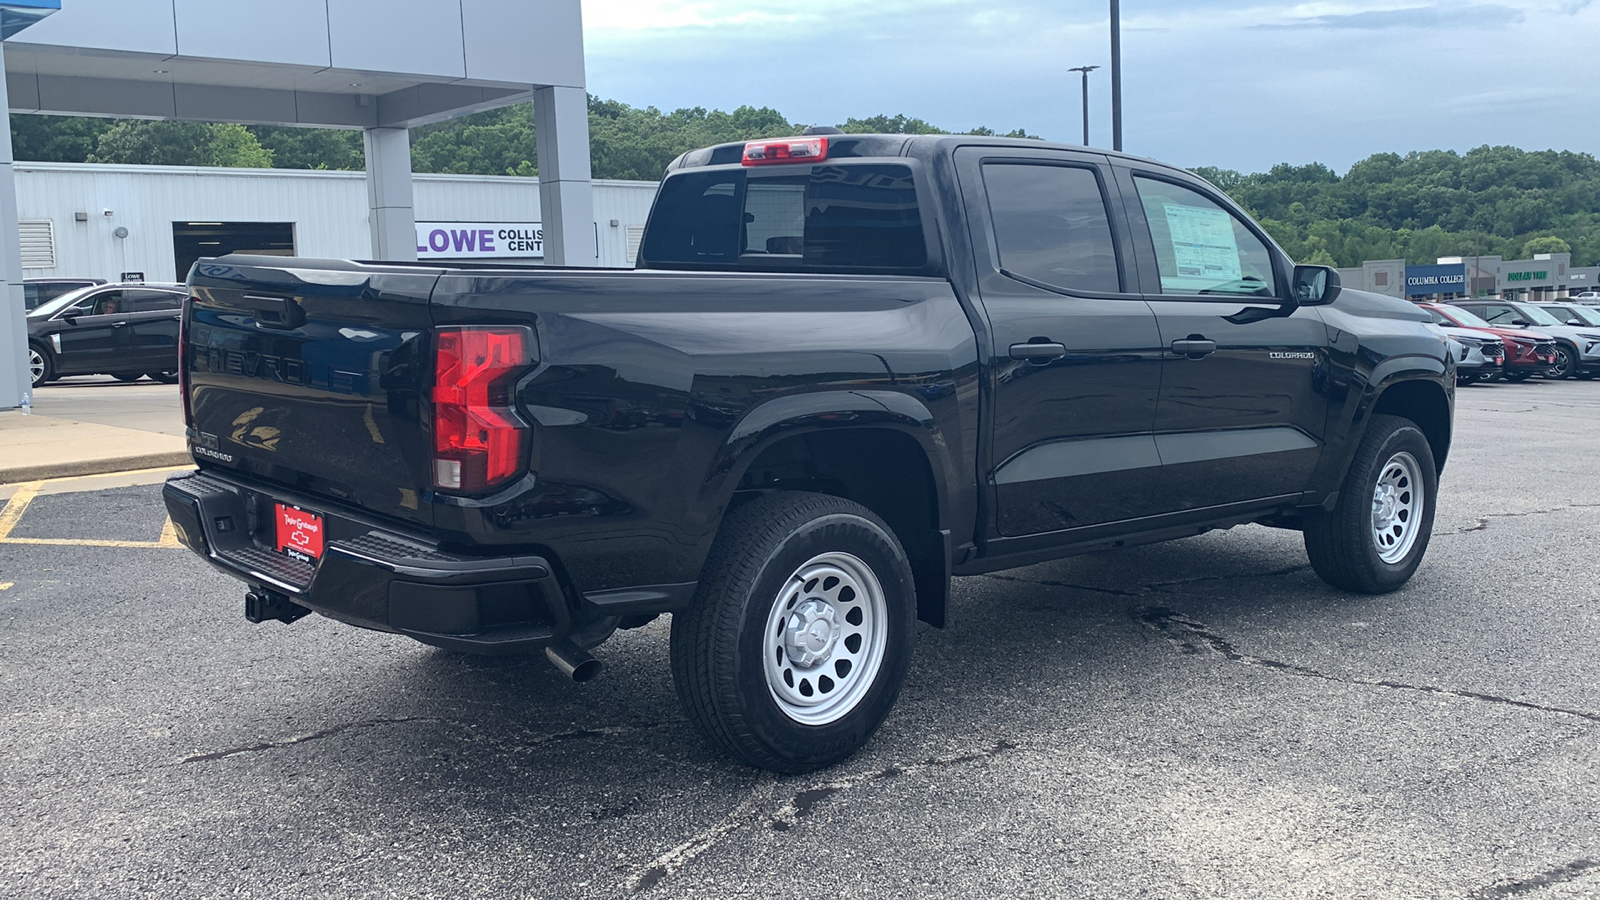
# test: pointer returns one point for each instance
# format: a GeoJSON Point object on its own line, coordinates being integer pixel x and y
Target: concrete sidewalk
{"type": "Point", "coordinates": [38, 447]}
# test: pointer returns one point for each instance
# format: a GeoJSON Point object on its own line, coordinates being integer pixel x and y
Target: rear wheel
{"type": "Point", "coordinates": [40, 367]}
{"type": "Point", "coordinates": [799, 637]}
{"type": "Point", "coordinates": [1518, 377]}
{"type": "Point", "coordinates": [163, 377]}
{"type": "Point", "coordinates": [1374, 539]}
{"type": "Point", "coordinates": [129, 379]}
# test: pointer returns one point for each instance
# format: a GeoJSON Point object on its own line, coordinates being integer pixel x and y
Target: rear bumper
{"type": "Point", "coordinates": [371, 576]}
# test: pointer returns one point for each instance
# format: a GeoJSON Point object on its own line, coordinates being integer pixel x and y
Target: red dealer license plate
{"type": "Point", "coordinates": [299, 533]}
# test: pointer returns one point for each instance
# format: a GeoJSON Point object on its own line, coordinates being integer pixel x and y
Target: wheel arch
{"type": "Point", "coordinates": [883, 455]}
{"type": "Point", "coordinates": [1424, 402]}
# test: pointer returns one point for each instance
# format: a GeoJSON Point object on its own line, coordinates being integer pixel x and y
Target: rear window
{"type": "Point", "coordinates": [862, 216]}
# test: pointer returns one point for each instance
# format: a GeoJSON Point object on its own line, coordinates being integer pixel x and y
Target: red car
{"type": "Point", "coordinates": [1528, 353]}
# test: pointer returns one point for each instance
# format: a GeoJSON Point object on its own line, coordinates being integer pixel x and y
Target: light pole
{"type": "Point", "coordinates": [1085, 70]}
{"type": "Point", "coordinates": [1116, 75]}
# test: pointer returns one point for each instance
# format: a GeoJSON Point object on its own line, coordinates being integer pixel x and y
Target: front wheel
{"type": "Point", "coordinates": [163, 377]}
{"type": "Point", "coordinates": [1518, 377]}
{"type": "Point", "coordinates": [1566, 363]}
{"type": "Point", "coordinates": [799, 637]}
{"type": "Point", "coordinates": [1374, 539]}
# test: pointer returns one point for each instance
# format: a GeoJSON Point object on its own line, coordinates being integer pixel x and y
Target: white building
{"type": "Point", "coordinates": [101, 221]}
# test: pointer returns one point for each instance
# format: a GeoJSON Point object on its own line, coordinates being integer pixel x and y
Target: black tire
{"type": "Point", "coordinates": [1344, 544]}
{"type": "Point", "coordinates": [1566, 363]}
{"type": "Point", "coordinates": [1518, 377]}
{"type": "Point", "coordinates": [755, 577]}
{"type": "Point", "coordinates": [163, 377]}
{"type": "Point", "coordinates": [41, 367]}
{"type": "Point", "coordinates": [126, 378]}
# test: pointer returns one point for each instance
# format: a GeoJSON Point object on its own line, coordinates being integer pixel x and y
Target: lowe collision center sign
{"type": "Point", "coordinates": [480, 240]}
{"type": "Point", "coordinates": [1445, 279]}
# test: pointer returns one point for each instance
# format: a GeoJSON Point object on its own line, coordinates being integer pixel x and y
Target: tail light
{"type": "Point", "coordinates": [183, 359]}
{"type": "Point", "coordinates": [478, 439]}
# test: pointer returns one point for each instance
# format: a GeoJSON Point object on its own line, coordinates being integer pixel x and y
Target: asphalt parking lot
{"type": "Point", "coordinates": [1203, 718]}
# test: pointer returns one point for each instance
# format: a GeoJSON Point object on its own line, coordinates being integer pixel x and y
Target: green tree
{"type": "Point", "coordinates": [56, 138]}
{"type": "Point", "coordinates": [312, 148]}
{"type": "Point", "coordinates": [180, 144]}
{"type": "Point", "coordinates": [1546, 244]}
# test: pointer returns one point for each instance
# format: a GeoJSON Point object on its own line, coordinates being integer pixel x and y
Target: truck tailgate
{"type": "Point", "coordinates": [312, 374]}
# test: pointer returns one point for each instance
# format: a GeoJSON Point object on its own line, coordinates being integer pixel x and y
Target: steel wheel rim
{"type": "Point", "coordinates": [824, 639]}
{"type": "Point", "coordinates": [1397, 501]}
{"type": "Point", "coordinates": [35, 365]}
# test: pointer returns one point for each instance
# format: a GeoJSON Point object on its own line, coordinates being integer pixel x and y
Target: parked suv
{"type": "Point", "coordinates": [1577, 347]}
{"type": "Point", "coordinates": [1527, 353]}
{"type": "Point", "coordinates": [126, 330]}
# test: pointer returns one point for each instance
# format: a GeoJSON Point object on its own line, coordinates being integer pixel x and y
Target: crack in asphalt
{"type": "Point", "coordinates": [1063, 584]}
{"type": "Point", "coordinates": [1483, 521]}
{"type": "Point", "coordinates": [1166, 586]}
{"type": "Point", "coordinates": [749, 811]}
{"type": "Point", "coordinates": [1193, 637]}
{"type": "Point", "coordinates": [574, 734]}
{"type": "Point", "coordinates": [301, 739]}
{"type": "Point", "coordinates": [1572, 871]}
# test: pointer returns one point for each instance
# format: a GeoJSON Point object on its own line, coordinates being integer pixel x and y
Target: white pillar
{"type": "Point", "coordinates": [14, 380]}
{"type": "Point", "coordinates": [390, 209]}
{"type": "Point", "coordinates": [566, 197]}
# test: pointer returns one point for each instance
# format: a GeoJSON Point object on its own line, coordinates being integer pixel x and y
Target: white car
{"type": "Point", "coordinates": [1479, 356]}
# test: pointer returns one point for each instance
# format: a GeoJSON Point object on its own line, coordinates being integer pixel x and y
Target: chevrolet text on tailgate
{"type": "Point", "coordinates": [847, 368]}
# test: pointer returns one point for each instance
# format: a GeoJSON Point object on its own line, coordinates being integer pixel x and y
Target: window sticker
{"type": "Point", "coordinates": [1203, 246]}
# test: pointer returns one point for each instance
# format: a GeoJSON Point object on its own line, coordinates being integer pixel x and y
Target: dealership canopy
{"type": "Point", "coordinates": [382, 66]}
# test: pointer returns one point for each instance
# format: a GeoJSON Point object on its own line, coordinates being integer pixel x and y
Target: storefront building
{"type": "Point", "coordinates": [101, 221]}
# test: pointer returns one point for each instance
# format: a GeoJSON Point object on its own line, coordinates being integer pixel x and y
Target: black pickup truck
{"type": "Point", "coordinates": [846, 368]}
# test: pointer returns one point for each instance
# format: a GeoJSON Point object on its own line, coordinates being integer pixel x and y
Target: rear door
{"type": "Point", "coordinates": [1241, 415]}
{"type": "Point", "coordinates": [1074, 357]}
{"type": "Point", "coordinates": [151, 334]}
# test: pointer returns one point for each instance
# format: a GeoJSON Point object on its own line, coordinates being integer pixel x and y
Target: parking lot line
{"type": "Point", "coordinates": [6, 585]}
{"type": "Point", "coordinates": [23, 496]}
{"type": "Point", "coordinates": [12, 514]}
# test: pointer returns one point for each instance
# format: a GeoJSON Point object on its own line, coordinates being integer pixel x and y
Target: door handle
{"type": "Point", "coordinates": [1038, 352]}
{"type": "Point", "coordinates": [119, 324]}
{"type": "Point", "coordinates": [1194, 347]}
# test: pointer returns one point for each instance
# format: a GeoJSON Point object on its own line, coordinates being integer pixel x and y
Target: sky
{"type": "Point", "coordinates": [1229, 83]}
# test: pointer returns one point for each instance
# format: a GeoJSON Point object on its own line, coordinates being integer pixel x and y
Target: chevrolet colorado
{"type": "Point", "coordinates": [846, 368]}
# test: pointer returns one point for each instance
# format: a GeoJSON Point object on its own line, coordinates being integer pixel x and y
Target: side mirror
{"type": "Point", "coordinates": [1520, 323]}
{"type": "Point", "coordinates": [1574, 322]}
{"type": "Point", "coordinates": [71, 318]}
{"type": "Point", "coordinates": [1315, 285]}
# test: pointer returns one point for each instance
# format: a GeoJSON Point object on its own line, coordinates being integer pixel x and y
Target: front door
{"type": "Point", "coordinates": [1241, 415]}
{"type": "Point", "coordinates": [1075, 359]}
{"type": "Point", "coordinates": [89, 339]}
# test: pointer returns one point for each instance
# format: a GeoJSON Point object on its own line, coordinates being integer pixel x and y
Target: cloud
{"type": "Point", "coordinates": [1433, 17]}
{"type": "Point", "coordinates": [1238, 83]}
